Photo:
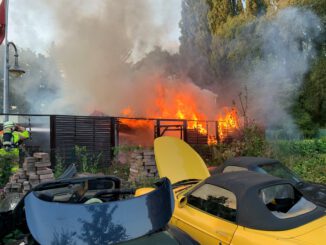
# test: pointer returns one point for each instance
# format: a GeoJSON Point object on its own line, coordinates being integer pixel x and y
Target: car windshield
{"type": "Point", "coordinates": [285, 202]}
{"type": "Point", "coordinates": [278, 170]}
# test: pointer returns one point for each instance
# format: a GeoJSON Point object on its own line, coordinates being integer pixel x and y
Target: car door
{"type": "Point", "coordinates": [209, 215]}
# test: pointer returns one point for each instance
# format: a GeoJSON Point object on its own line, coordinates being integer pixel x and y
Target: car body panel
{"type": "Point", "coordinates": [176, 159]}
{"type": "Point", "coordinates": [205, 228]}
{"type": "Point", "coordinates": [210, 229]}
{"type": "Point", "coordinates": [104, 223]}
{"type": "Point", "coordinates": [311, 233]}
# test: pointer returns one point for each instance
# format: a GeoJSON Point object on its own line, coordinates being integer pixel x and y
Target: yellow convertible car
{"type": "Point", "coordinates": [238, 207]}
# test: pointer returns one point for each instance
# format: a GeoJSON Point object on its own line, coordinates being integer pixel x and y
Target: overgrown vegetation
{"type": "Point", "coordinates": [86, 162]}
{"type": "Point", "coordinates": [119, 170]}
{"type": "Point", "coordinates": [307, 158]}
{"type": "Point", "coordinates": [7, 162]}
{"type": "Point", "coordinates": [59, 166]}
{"type": "Point", "coordinates": [228, 44]}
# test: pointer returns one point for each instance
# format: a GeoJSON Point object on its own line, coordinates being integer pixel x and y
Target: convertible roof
{"type": "Point", "coordinates": [251, 211]}
{"type": "Point", "coordinates": [248, 161]}
{"type": "Point", "coordinates": [240, 182]}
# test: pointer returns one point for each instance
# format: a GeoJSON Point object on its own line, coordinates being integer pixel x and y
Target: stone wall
{"type": "Point", "coordinates": [35, 170]}
{"type": "Point", "coordinates": [142, 164]}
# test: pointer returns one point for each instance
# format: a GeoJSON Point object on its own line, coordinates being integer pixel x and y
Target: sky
{"type": "Point", "coordinates": [33, 24]}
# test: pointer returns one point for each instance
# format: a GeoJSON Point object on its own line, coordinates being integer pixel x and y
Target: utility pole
{"type": "Point", "coordinates": [5, 68]}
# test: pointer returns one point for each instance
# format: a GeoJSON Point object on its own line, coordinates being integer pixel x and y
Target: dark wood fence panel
{"type": "Point", "coordinates": [94, 133]}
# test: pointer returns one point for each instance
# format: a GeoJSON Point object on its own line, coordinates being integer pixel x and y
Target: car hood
{"type": "Point", "coordinates": [176, 160]}
{"type": "Point", "coordinates": [101, 223]}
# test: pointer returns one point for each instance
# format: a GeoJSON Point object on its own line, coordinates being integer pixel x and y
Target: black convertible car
{"type": "Point", "coordinates": [315, 192]}
{"type": "Point", "coordinates": [92, 210]}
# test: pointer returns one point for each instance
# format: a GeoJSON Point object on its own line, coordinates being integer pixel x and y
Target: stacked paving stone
{"type": "Point", "coordinates": [142, 164]}
{"type": "Point", "coordinates": [35, 170]}
{"type": "Point", "coordinates": [43, 164]}
{"type": "Point", "coordinates": [16, 182]}
{"type": "Point", "coordinates": [149, 163]}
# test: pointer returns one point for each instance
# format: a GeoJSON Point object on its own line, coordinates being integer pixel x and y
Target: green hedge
{"type": "Point", "coordinates": [299, 147]}
{"type": "Point", "coordinates": [307, 158]}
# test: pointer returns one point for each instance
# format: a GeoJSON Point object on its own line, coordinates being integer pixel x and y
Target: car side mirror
{"type": "Point", "coordinates": [182, 201]}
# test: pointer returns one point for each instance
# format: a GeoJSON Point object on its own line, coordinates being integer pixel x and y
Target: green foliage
{"type": "Point", "coordinates": [143, 182]}
{"type": "Point", "coordinates": [195, 41]}
{"type": "Point", "coordinates": [299, 147]}
{"type": "Point", "coordinates": [87, 163]}
{"type": "Point", "coordinates": [254, 141]}
{"type": "Point", "coordinates": [307, 158]}
{"type": "Point", "coordinates": [256, 7]}
{"type": "Point", "coordinates": [7, 162]}
{"type": "Point", "coordinates": [119, 170]}
{"type": "Point", "coordinates": [59, 166]}
{"type": "Point", "coordinates": [310, 168]}
{"type": "Point", "coordinates": [219, 11]}
{"type": "Point", "coordinates": [310, 107]}
{"type": "Point", "coordinates": [251, 142]}
{"type": "Point", "coordinates": [13, 237]}
{"type": "Point", "coordinates": [223, 44]}
{"type": "Point", "coordinates": [125, 149]}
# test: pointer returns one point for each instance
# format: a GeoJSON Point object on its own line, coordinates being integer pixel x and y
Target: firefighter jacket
{"type": "Point", "coordinates": [16, 139]}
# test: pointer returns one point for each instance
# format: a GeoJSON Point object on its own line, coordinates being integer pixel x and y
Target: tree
{"type": "Point", "coordinates": [256, 7]}
{"type": "Point", "coordinates": [195, 41]}
{"type": "Point", "coordinates": [239, 7]}
{"type": "Point", "coordinates": [219, 11]}
{"type": "Point", "coordinates": [309, 108]}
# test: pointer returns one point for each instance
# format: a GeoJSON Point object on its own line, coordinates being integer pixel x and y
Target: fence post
{"type": "Point", "coordinates": [53, 140]}
{"type": "Point", "coordinates": [217, 132]}
{"type": "Point", "coordinates": [114, 136]}
{"type": "Point", "coordinates": [158, 128]}
{"type": "Point", "coordinates": [185, 133]}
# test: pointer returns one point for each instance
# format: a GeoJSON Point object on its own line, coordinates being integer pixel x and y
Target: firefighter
{"type": "Point", "coordinates": [12, 137]}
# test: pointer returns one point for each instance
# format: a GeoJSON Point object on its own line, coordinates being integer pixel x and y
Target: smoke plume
{"type": "Point", "coordinates": [104, 53]}
{"type": "Point", "coordinates": [288, 49]}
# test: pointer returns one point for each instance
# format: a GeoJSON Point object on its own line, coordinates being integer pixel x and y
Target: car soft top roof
{"type": "Point", "coordinates": [248, 162]}
{"type": "Point", "coordinates": [251, 211]}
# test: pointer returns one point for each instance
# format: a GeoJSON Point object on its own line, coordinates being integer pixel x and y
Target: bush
{"type": "Point", "coordinates": [87, 163]}
{"type": "Point", "coordinates": [7, 162]}
{"type": "Point", "coordinates": [307, 158]}
{"type": "Point", "coordinates": [59, 166]}
{"type": "Point", "coordinates": [249, 142]}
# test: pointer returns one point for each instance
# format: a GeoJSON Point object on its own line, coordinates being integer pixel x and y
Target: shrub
{"type": "Point", "coordinates": [7, 162]}
{"type": "Point", "coordinates": [86, 162]}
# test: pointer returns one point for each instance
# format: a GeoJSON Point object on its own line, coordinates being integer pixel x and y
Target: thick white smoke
{"type": "Point", "coordinates": [288, 48]}
{"type": "Point", "coordinates": [96, 43]}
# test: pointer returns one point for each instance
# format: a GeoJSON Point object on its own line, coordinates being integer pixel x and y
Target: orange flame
{"type": "Point", "coordinates": [171, 102]}
{"type": "Point", "coordinates": [228, 123]}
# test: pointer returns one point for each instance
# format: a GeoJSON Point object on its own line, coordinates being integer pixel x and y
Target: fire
{"type": "Point", "coordinates": [228, 123]}
{"type": "Point", "coordinates": [185, 102]}
{"type": "Point", "coordinates": [128, 112]}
